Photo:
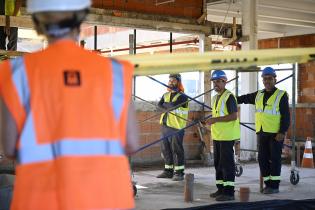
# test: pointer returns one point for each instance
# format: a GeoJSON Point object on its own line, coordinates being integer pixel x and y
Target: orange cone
{"type": "Point", "coordinates": [307, 161]}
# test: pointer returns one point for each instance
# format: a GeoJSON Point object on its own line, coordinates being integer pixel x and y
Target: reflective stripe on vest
{"type": "Point", "coordinates": [118, 91]}
{"type": "Point", "coordinates": [267, 117]}
{"type": "Point", "coordinates": [32, 152]}
{"type": "Point", "coordinates": [20, 81]}
{"type": "Point", "coordinates": [274, 107]}
{"type": "Point", "coordinates": [176, 121]}
{"type": "Point", "coordinates": [223, 131]}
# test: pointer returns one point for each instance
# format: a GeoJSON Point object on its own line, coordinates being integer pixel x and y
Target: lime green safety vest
{"type": "Point", "coordinates": [224, 131]}
{"type": "Point", "coordinates": [172, 120]}
{"type": "Point", "coordinates": [9, 7]}
{"type": "Point", "coordinates": [268, 118]}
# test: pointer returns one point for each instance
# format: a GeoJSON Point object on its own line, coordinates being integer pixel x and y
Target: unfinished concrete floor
{"type": "Point", "coordinates": [156, 193]}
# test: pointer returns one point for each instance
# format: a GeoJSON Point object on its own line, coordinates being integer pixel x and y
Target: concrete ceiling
{"type": "Point", "coordinates": [276, 18]}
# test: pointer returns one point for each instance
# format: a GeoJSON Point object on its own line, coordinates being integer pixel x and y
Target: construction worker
{"type": "Point", "coordinates": [68, 118]}
{"type": "Point", "coordinates": [272, 120]}
{"type": "Point", "coordinates": [9, 8]}
{"type": "Point", "coordinates": [172, 146]}
{"type": "Point", "coordinates": [225, 130]}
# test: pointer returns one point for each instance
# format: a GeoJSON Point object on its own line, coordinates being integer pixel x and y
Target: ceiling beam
{"type": "Point", "coordinates": [128, 19]}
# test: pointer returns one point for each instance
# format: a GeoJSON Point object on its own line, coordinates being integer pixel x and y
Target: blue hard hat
{"type": "Point", "coordinates": [218, 74]}
{"type": "Point", "coordinates": [268, 71]}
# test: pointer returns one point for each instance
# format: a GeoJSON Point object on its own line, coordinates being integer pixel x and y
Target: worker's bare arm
{"type": "Point", "coordinates": [132, 131]}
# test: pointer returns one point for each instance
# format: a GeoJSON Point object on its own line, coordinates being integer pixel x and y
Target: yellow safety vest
{"type": "Point", "coordinates": [172, 120]}
{"type": "Point", "coordinates": [224, 131]}
{"type": "Point", "coordinates": [268, 118]}
{"type": "Point", "coordinates": [9, 7]}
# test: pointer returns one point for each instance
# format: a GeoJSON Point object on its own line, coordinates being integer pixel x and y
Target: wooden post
{"type": "Point", "coordinates": [189, 188]}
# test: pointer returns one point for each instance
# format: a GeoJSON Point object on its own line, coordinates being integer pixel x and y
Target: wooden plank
{"type": "Point", "coordinates": [11, 53]}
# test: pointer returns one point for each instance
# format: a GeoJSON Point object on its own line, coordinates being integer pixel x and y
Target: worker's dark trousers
{"type": "Point", "coordinates": [172, 147]}
{"type": "Point", "coordinates": [224, 164]}
{"type": "Point", "coordinates": [12, 39]}
{"type": "Point", "coordinates": [269, 157]}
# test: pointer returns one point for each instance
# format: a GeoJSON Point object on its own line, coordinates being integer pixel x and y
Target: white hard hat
{"type": "Point", "coordinates": [34, 6]}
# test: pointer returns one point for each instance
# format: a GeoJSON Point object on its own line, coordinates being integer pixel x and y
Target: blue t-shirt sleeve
{"type": "Point", "coordinates": [231, 104]}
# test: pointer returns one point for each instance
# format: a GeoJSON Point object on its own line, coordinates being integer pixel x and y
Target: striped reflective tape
{"type": "Point", "coordinates": [176, 168]}
{"type": "Point", "coordinates": [275, 178]}
{"type": "Point", "coordinates": [30, 151]}
{"type": "Point", "coordinates": [219, 182]}
{"type": "Point", "coordinates": [231, 184]}
{"type": "Point", "coordinates": [308, 155]}
{"type": "Point", "coordinates": [169, 166]}
{"type": "Point", "coordinates": [266, 178]}
{"type": "Point", "coordinates": [19, 77]}
{"type": "Point", "coordinates": [308, 145]}
{"type": "Point", "coordinates": [118, 88]}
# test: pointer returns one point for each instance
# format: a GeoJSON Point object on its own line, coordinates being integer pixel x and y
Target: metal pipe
{"type": "Point", "coordinates": [151, 117]}
{"type": "Point", "coordinates": [293, 128]}
{"type": "Point", "coordinates": [95, 38]}
{"type": "Point", "coordinates": [134, 52]}
{"type": "Point", "coordinates": [171, 42]}
{"type": "Point", "coordinates": [134, 41]}
{"type": "Point", "coordinates": [194, 41]}
{"type": "Point", "coordinates": [171, 134]}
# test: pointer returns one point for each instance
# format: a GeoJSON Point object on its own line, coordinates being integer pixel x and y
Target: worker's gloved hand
{"type": "Point", "coordinates": [168, 105]}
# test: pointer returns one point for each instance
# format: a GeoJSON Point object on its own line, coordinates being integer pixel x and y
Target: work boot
{"type": "Point", "coordinates": [178, 177]}
{"type": "Point", "coordinates": [167, 174]}
{"type": "Point", "coordinates": [216, 194]}
{"type": "Point", "coordinates": [269, 190]}
{"type": "Point", "coordinates": [224, 197]}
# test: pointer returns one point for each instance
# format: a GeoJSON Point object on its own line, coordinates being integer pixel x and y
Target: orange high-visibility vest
{"type": "Point", "coordinates": [70, 107]}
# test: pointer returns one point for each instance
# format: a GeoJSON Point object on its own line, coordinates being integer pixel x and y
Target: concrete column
{"type": "Point", "coordinates": [248, 80]}
{"type": "Point", "coordinates": [205, 45]}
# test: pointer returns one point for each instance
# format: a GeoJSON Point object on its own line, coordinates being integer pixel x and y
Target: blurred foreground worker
{"type": "Point", "coordinates": [172, 147]}
{"type": "Point", "coordinates": [9, 8]}
{"type": "Point", "coordinates": [272, 120]}
{"type": "Point", "coordinates": [225, 130]}
{"type": "Point", "coordinates": [68, 118]}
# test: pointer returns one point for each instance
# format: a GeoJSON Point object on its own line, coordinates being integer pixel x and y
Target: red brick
{"type": "Point", "coordinates": [155, 127]}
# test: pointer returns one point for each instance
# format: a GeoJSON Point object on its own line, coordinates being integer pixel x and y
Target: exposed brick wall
{"type": "Point", "coordinates": [178, 8]}
{"type": "Point", "coordinates": [306, 83]}
{"type": "Point", "coordinates": [288, 42]}
{"type": "Point", "coordinates": [305, 122]}
{"type": "Point", "coordinates": [150, 131]}
{"type": "Point", "coordinates": [305, 111]}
